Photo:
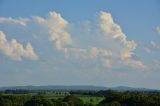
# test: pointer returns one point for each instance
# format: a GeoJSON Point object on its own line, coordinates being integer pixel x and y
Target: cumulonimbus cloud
{"type": "Point", "coordinates": [20, 21]}
{"type": "Point", "coordinates": [15, 50]}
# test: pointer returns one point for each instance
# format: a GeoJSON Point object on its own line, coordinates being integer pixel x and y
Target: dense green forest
{"type": "Point", "coordinates": [79, 98]}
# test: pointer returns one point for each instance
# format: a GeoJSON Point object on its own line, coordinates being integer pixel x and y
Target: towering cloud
{"type": "Point", "coordinates": [116, 50]}
{"type": "Point", "coordinates": [57, 29]}
{"type": "Point", "coordinates": [20, 21]}
{"type": "Point", "coordinates": [113, 30]}
{"type": "Point", "coordinates": [15, 50]}
{"type": "Point", "coordinates": [123, 49]}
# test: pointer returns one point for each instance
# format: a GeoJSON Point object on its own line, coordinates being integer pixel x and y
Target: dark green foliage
{"type": "Point", "coordinates": [112, 98]}
{"type": "Point", "coordinates": [38, 100]}
{"type": "Point", "coordinates": [13, 100]}
{"type": "Point", "coordinates": [73, 100]}
{"type": "Point", "coordinates": [130, 99]}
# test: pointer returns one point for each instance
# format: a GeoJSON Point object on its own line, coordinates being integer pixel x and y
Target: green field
{"type": "Point", "coordinates": [86, 99]}
{"type": "Point", "coordinates": [91, 100]}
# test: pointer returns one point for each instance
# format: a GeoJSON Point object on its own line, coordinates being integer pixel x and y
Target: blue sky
{"type": "Point", "coordinates": [85, 42]}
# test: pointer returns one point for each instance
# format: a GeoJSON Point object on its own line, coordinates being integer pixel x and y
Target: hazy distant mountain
{"type": "Point", "coordinates": [63, 87]}
{"type": "Point", "coordinates": [55, 87]}
{"type": "Point", "coordinates": [125, 88]}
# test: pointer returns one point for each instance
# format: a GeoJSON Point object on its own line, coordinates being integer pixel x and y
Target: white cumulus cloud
{"type": "Point", "coordinates": [117, 50]}
{"type": "Point", "coordinates": [123, 49]}
{"type": "Point", "coordinates": [114, 31]}
{"type": "Point", "coordinates": [57, 26]}
{"type": "Point", "coordinates": [15, 50]}
{"type": "Point", "coordinates": [119, 55]}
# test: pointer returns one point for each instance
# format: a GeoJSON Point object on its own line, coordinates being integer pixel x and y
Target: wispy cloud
{"type": "Point", "coordinates": [158, 30]}
{"type": "Point", "coordinates": [20, 21]}
{"type": "Point", "coordinates": [153, 47]}
{"type": "Point", "coordinates": [15, 50]}
{"type": "Point", "coordinates": [86, 53]}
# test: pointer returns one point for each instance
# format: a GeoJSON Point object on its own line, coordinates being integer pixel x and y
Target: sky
{"type": "Point", "coordinates": [84, 42]}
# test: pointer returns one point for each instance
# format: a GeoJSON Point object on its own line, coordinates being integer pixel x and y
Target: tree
{"type": "Point", "coordinates": [38, 100]}
{"type": "Point", "coordinates": [73, 100]}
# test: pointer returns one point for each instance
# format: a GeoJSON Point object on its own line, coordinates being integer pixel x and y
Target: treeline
{"type": "Point", "coordinates": [112, 98]}
{"type": "Point", "coordinates": [106, 92]}
{"type": "Point", "coordinates": [79, 92]}
{"type": "Point", "coordinates": [21, 91]}
{"type": "Point", "coordinates": [130, 99]}
{"type": "Point", "coordinates": [40, 100]}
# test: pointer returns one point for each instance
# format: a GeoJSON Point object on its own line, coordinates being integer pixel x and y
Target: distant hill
{"type": "Point", "coordinates": [63, 87]}
{"type": "Point", "coordinates": [125, 88]}
{"type": "Point", "coordinates": [54, 87]}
